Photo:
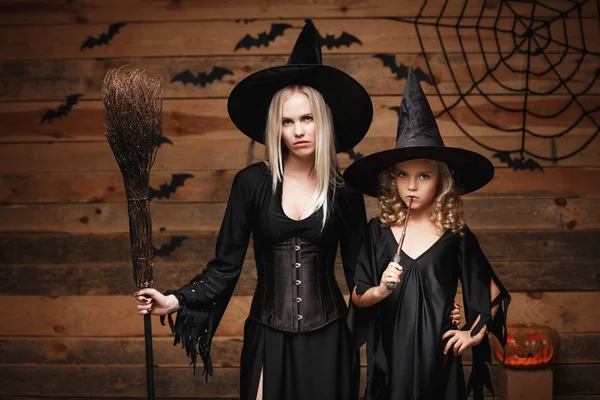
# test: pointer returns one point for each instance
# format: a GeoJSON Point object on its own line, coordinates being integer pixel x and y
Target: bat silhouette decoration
{"type": "Point", "coordinates": [161, 139]}
{"type": "Point", "coordinates": [104, 38]}
{"type": "Point", "coordinates": [354, 155]}
{"type": "Point", "coordinates": [518, 163]}
{"type": "Point", "coordinates": [345, 39]}
{"type": "Point", "coordinates": [389, 60]}
{"type": "Point", "coordinates": [166, 189]}
{"type": "Point", "coordinates": [167, 249]}
{"type": "Point", "coordinates": [202, 78]}
{"type": "Point", "coordinates": [63, 109]}
{"type": "Point", "coordinates": [395, 108]}
{"type": "Point", "coordinates": [263, 39]}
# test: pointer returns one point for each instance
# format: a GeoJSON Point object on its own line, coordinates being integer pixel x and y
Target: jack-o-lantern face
{"type": "Point", "coordinates": [528, 346]}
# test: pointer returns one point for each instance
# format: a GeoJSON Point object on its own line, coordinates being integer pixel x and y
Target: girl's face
{"type": "Point", "coordinates": [417, 179]}
{"type": "Point", "coordinates": [298, 127]}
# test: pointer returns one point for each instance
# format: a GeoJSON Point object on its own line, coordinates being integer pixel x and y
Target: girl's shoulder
{"type": "Point", "coordinates": [374, 223]}
{"type": "Point", "coordinates": [465, 232]}
{"type": "Point", "coordinates": [465, 238]}
{"type": "Point", "coordinates": [374, 227]}
{"type": "Point", "coordinates": [467, 235]}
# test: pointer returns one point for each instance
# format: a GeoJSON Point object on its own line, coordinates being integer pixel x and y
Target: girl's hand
{"type": "Point", "coordinates": [151, 301]}
{"type": "Point", "coordinates": [391, 274]}
{"type": "Point", "coordinates": [455, 314]}
{"type": "Point", "coordinates": [461, 340]}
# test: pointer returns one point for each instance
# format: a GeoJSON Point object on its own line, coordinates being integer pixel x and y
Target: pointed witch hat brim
{"type": "Point", "coordinates": [418, 137]}
{"type": "Point", "coordinates": [350, 104]}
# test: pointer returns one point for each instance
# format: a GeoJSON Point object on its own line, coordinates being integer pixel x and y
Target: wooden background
{"type": "Point", "coordinates": [68, 326]}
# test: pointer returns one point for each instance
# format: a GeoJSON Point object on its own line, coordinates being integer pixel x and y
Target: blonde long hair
{"type": "Point", "coordinates": [326, 169]}
{"type": "Point", "coordinates": [446, 209]}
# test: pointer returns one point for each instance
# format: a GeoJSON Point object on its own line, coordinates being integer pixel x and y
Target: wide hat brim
{"type": "Point", "coordinates": [349, 102]}
{"type": "Point", "coordinates": [471, 171]}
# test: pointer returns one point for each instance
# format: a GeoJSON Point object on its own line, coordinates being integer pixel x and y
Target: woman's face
{"type": "Point", "coordinates": [298, 127]}
{"type": "Point", "coordinates": [417, 179]}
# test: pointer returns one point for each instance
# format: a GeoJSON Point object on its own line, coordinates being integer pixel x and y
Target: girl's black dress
{"type": "Point", "coordinates": [405, 357]}
{"type": "Point", "coordinates": [297, 330]}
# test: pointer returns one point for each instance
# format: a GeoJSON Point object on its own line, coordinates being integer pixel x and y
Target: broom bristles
{"type": "Point", "coordinates": [133, 109]}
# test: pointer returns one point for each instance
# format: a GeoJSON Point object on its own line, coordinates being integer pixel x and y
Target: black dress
{"type": "Point", "coordinates": [405, 357]}
{"type": "Point", "coordinates": [297, 330]}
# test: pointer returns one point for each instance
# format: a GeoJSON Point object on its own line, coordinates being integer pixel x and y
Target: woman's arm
{"type": "Point", "coordinates": [352, 224]}
{"type": "Point", "coordinates": [200, 304]}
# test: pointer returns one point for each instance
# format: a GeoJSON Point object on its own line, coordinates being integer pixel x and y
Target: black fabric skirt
{"type": "Point", "coordinates": [299, 366]}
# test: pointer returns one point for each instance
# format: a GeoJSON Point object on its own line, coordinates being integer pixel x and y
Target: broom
{"type": "Point", "coordinates": [132, 108]}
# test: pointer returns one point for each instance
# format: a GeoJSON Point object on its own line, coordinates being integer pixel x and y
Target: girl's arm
{"type": "Point", "coordinates": [486, 305]}
{"type": "Point", "coordinates": [494, 293]}
{"type": "Point", "coordinates": [462, 340]}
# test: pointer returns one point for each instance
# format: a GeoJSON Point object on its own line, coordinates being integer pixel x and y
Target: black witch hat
{"type": "Point", "coordinates": [349, 102]}
{"type": "Point", "coordinates": [418, 136]}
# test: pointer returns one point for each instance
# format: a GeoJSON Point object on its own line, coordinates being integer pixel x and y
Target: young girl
{"type": "Point", "coordinates": [413, 352]}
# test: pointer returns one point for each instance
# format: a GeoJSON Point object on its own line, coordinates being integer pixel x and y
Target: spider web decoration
{"type": "Point", "coordinates": [548, 51]}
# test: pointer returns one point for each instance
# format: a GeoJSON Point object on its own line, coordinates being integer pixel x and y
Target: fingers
{"type": "Point", "coordinates": [150, 292]}
{"type": "Point", "coordinates": [391, 277]}
{"type": "Point", "coordinates": [395, 267]}
{"type": "Point", "coordinates": [448, 334]}
{"type": "Point", "coordinates": [141, 300]}
{"type": "Point", "coordinates": [392, 273]}
{"type": "Point", "coordinates": [458, 342]}
{"type": "Point", "coordinates": [450, 344]}
{"type": "Point", "coordinates": [463, 347]}
{"type": "Point", "coordinates": [145, 300]}
{"type": "Point", "coordinates": [455, 316]}
{"type": "Point", "coordinates": [145, 308]}
{"type": "Point", "coordinates": [457, 346]}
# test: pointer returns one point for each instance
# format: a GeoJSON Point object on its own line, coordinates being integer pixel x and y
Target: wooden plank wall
{"type": "Point", "coordinates": [68, 327]}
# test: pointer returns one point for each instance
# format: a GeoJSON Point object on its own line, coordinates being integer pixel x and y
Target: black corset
{"type": "Point", "coordinates": [296, 289]}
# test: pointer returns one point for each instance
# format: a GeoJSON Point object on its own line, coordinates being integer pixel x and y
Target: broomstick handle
{"type": "Point", "coordinates": [397, 256]}
{"type": "Point", "coordinates": [149, 357]}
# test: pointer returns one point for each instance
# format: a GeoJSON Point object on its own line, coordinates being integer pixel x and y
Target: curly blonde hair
{"type": "Point", "coordinates": [446, 209]}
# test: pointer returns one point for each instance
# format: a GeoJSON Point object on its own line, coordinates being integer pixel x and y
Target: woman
{"type": "Point", "coordinates": [297, 210]}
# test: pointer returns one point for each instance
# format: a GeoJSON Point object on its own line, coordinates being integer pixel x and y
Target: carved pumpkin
{"type": "Point", "coordinates": [528, 346]}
